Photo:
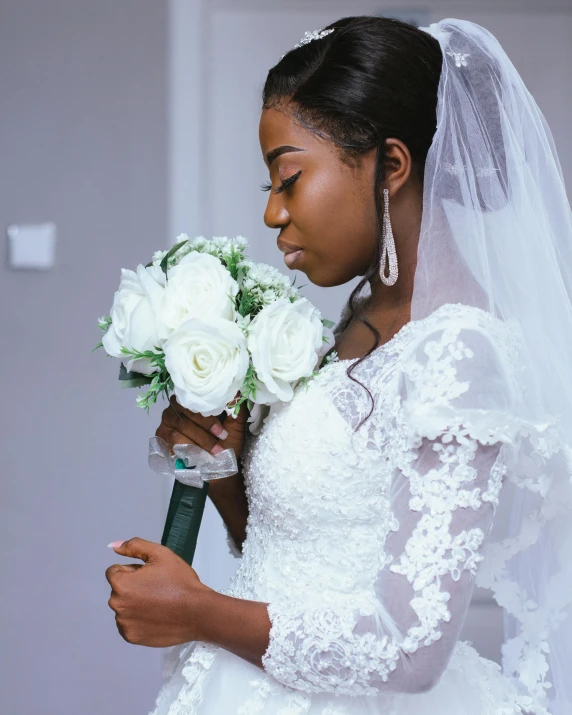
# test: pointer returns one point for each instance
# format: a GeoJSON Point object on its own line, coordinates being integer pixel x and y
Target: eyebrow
{"type": "Point", "coordinates": [284, 149]}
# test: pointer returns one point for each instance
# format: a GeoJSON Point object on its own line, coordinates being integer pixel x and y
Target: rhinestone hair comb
{"type": "Point", "coordinates": [314, 35]}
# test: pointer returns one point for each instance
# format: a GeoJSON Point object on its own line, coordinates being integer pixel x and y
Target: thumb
{"type": "Point", "coordinates": [137, 548]}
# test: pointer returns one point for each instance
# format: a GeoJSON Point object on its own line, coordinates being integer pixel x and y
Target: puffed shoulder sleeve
{"type": "Point", "coordinates": [458, 378]}
{"type": "Point", "coordinates": [451, 418]}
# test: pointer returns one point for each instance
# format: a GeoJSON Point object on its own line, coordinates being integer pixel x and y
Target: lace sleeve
{"type": "Point", "coordinates": [447, 445]}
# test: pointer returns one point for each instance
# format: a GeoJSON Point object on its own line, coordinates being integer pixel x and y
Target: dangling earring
{"type": "Point", "coordinates": [387, 246]}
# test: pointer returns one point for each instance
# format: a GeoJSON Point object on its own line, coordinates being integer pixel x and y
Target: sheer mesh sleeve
{"type": "Point", "coordinates": [447, 467]}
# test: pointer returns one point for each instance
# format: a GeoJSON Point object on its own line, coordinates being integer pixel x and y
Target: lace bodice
{"type": "Point", "coordinates": [366, 544]}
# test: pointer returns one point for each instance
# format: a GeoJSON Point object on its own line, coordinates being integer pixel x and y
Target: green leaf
{"type": "Point", "coordinates": [99, 345]}
{"type": "Point", "coordinates": [139, 382]}
{"type": "Point", "coordinates": [170, 253]}
{"type": "Point", "coordinates": [328, 323]}
{"type": "Point", "coordinates": [128, 378]}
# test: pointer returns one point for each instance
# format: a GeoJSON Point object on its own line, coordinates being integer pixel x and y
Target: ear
{"type": "Point", "coordinates": [398, 165]}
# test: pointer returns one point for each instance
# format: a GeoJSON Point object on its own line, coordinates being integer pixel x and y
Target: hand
{"type": "Point", "coordinates": [181, 426]}
{"type": "Point", "coordinates": [158, 603]}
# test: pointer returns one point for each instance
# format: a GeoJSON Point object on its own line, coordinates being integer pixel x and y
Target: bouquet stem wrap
{"type": "Point", "coordinates": [193, 468]}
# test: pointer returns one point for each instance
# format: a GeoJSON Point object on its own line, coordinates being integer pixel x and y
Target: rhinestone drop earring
{"type": "Point", "coordinates": [387, 246]}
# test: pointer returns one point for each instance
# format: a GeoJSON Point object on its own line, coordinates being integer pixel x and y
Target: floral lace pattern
{"type": "Point", "coordinates": [366, 545]}
{"type": "Point", "coordinates": [432, 481]}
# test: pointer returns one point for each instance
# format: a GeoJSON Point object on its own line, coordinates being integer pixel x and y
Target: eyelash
{"type": "Point", "coordinates": [285, 184]}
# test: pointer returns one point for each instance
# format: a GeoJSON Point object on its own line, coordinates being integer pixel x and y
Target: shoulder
{"type": "Point", "coordinates": [460, 365]}
{"type": "Point", "coordinates": [456, 332]}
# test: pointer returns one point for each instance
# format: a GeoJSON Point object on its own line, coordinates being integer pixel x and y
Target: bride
{"type": "Point", "coordinates": [431, 451]}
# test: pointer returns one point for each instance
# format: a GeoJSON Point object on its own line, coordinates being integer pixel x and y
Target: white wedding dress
{"type": "Point", "coordinates": [367, 545]}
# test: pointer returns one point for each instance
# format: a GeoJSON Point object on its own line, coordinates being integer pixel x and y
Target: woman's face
{"type": "Point", "coordinates": [328, 211]}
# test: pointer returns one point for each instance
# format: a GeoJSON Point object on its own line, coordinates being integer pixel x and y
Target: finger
{"type": "Point", "coordinates": [131, 567]}
{"type": "Point", "coordinates": [191, 431]}
{"type": "Point", "coordinates": [172, 436]}
{"type": "Point", "coordinates": [210, 424]}
{"type": "Point", "coordinates": [111, 573]}
{"type": "Point", "coordinates": [138, 548]}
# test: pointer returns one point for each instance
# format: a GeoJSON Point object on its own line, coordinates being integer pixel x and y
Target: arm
{"type": "Point", "coordinates": [229, 497]}
{"type": "Point", "coordinates": [235, 624]}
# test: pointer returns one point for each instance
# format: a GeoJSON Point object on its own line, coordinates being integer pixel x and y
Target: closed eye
{"type": "Point", "coordinates": [284, 185]}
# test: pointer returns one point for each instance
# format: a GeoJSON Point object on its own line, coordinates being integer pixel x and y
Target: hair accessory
{"type": "Point", "coordinates": [314, 35]}
{"type": "Point", "coordinates": [460, 58]}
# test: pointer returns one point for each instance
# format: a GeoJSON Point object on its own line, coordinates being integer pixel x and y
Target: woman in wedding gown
{"type": "Point", "coordinates": [372, 495]}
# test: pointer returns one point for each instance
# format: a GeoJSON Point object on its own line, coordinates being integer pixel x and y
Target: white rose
{"type": "Point", "coordinates": [284, 340]}
{"type": "Point", "coordinates": [207, 361]}
{"type": "Point", "coordinates": [134, 315]}
{"type": "Point", "coordinates": [199, 286]}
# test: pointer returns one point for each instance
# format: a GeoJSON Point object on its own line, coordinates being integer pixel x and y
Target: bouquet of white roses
{"type": "Point", "coordinates": [206, 323]}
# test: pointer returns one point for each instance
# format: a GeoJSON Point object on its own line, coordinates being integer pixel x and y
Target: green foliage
{"type": "Point", "coordinates": [132, 379]}
{"type": "Point", "coordinates": [171, 252]}
{"type": "Point", "coordinates": [304, 381]}
{"type": "Point", "coordinates": [247, 303]}
{"type": "Point", "coordinates": [247, 390]}
{"type": "Point", "coordinates": [232, 261]}
{"type": "Point", "coordinates": [103, 323]}
{"type": "Point", "coordinates": [159, 383]}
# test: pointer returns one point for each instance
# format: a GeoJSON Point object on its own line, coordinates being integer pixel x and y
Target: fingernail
{"type": "Point", "coordinates": [114, 544]}
{"type": "Point", "coordinates": [216, 449]}
{"type": "Point", "coordinates": [219, 432]}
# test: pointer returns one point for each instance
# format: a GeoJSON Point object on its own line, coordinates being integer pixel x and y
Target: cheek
{"type": "Point", "coordinates": [336, 207]}
{"type": "Point", "coordinates": [337, 223]}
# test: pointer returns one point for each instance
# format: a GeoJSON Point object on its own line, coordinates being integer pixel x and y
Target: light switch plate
{"type": "Point", "coordinates": [32, 246]}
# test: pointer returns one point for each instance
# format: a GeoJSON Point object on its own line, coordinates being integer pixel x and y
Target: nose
{"type": "Point", "coordinates": [276, 215]}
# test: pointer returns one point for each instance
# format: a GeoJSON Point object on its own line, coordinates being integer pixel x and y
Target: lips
{"type": "Point", "coordinates": [287, 247]}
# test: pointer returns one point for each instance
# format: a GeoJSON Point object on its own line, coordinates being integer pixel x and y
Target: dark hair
{"type": "Point", "coordinates": [371, 79]}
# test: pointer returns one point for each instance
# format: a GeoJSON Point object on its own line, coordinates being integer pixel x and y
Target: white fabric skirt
{"type": "Point", "coordinates": [202, 679]}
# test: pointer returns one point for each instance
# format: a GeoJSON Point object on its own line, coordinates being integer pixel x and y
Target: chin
{"type": "Point", "coordinates": [321, 280]}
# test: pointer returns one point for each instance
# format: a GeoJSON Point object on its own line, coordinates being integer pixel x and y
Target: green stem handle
{"type": "Point", "coordinates": [184, 518]}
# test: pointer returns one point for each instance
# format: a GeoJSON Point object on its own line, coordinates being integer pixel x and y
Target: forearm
{"type": "Point", "coordinates": [237, 625]}
{"type": "Point", "coordinates": [229, 497]}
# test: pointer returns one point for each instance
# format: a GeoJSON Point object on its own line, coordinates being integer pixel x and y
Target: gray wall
{"type": "Point", "coordinates": [83, 143]}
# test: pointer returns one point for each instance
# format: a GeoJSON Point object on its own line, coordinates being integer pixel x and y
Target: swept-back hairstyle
{"type": "Point", "coordinates": [371, 79]}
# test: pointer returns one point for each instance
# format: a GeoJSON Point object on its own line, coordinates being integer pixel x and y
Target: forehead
{"type": "Point", "coordinates": [278, 127]}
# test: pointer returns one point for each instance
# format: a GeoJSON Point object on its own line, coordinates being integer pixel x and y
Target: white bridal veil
{"type": "Point", "coordinates": [496, 233]}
